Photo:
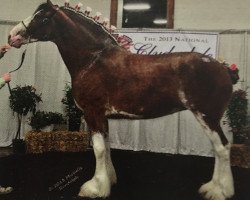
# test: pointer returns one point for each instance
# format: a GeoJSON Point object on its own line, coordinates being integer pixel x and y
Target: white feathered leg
{"type": "Point", "coordinates": [6, 190]}
{"type": "Point", "coordinates": [110, 166]}
{"type": "Point", "coordinates": [100, 184]}
{"type": "Point", "coordinates": [221, 186]}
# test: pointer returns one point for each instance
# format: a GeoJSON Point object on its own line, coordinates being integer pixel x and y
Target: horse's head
{"type": "Point", "coordinates": [38, 27]}
{"type": "Point", "coordinates": [61, 24]}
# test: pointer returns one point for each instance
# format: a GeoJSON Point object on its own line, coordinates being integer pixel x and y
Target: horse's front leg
{"type": "Point", "coordinates": [100, 184]}
{"type": "Point", "coordinates": [110, 166]}
{"type": "Point", "coordinates": [105, 176]}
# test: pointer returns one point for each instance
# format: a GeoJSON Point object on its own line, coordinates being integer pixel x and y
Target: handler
{"type": "Point", "coordinates": [6, 77]}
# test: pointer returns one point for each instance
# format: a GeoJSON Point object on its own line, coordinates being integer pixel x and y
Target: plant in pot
{"type": "Point", "coordinates": [237, 115]}
{"type": "Point", "coordinates": [22, 101]}
{"type": "Point", "coordinates": [41, 120]}
{"type": "Point", "coordinates": [73, 114]}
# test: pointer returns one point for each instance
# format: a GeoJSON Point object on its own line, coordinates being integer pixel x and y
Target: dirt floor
{"type": "Point", "coordinates": [141, 176]}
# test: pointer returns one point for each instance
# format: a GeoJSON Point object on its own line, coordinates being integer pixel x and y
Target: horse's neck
{"type": "Point", "coordinates": [75, 56]}
{"type": "Point", "coordinates": [78, 45]}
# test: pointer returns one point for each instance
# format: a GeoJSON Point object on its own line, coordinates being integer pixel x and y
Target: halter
{"type": "Point", "coordinates": [24, 25]}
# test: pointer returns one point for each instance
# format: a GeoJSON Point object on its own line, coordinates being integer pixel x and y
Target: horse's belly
{"type": "Point", "coordinates": [143, 112]}
{"type": "Point", "coordinates": [114, 113]}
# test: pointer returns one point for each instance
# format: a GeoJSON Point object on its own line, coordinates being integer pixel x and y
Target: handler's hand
{"type": "Point", "coordinates": [7, 77]}
{"type": "Point", "coordinates": [4, 49]}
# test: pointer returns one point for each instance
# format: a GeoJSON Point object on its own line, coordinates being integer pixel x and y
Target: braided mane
{"type": "Point", "coordinates": [90, 19]}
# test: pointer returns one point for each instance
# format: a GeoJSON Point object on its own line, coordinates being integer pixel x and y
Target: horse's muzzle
{"type": "Point", "coordinates": [15, 41]}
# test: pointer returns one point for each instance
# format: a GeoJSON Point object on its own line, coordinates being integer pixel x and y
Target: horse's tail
{"type": "Point", "coordinates": [234, 73]}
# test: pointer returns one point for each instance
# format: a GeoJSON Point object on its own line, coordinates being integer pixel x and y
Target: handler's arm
{"type": "Point", "coordinates": [2, 82]}
{"type": "Point", "coordinates": [1, 54]}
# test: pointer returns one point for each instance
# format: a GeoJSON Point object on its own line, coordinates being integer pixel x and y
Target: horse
{"type": "Point", "coordinates": [110, 82]}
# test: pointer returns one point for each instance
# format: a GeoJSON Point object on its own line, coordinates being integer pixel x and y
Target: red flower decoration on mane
{"type": "Point", "coordinates": [124, 41]}
{"type": "Point", "coordinates": [233, 67]}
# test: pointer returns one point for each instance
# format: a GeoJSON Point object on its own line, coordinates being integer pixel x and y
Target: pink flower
{"type": "Point", "coordinates": [233, 67]}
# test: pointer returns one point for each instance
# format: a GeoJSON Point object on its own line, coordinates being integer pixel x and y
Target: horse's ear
{"type": "Point", "coordinates": [50, 3]}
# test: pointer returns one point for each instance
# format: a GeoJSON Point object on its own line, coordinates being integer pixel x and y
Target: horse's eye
{"type": "Point", "coordinates": [45, 20]}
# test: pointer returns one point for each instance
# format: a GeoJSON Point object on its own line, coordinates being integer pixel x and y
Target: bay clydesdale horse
{"type": "Point", "coordinates": [109, 82]}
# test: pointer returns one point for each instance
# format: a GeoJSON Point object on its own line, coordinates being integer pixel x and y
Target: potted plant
{"type": "Point", "coordinates": [41, 119]}
{"type": "Point", "coordinates": [72, 112]}
{"type": "Point", "coordinates": [237, 115]}
{"type": "Point", "coordinates": [22, 101]}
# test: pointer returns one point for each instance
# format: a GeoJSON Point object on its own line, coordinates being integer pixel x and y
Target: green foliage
{"type": "Point", "coordinates": [42, 119]}
{"type": "Point", "coordinates": [24, 100]}
{"type": "Point", "coordinates": [72, 112]}
{"type": "Point", "coordinates": [237, 111]}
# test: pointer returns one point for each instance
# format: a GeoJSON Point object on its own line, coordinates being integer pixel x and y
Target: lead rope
{"type": "Point", "coordinates": [20, 65]}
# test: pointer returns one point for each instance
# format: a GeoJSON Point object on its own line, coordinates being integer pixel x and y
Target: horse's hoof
{"type": "Point", "coordinates": [87, 198]}
{"type": "Point", "coordinates": [212, 191]}
{"type": "Point", "coordinates": [82, 198]}
{"type": "Point", "coordinates": [95, 188]}
{"type": "Point", "coordinates": [6, 190]}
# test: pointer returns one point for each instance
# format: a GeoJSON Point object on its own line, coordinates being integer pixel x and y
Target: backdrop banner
{"type": "Point", "coordinates": [153, 43]}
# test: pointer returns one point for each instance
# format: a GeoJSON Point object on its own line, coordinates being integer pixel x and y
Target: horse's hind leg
{"type": "Point", "coordinates": [221, 186]}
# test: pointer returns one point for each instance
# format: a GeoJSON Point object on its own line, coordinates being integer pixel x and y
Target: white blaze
{"type": "Point", "coordinates": [20, 27]}
{"type": "Point", "coordinates": [16, 37]}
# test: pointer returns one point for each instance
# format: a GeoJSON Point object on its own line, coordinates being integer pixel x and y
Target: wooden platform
{"type": "Point", "coordinates": [56, 141]}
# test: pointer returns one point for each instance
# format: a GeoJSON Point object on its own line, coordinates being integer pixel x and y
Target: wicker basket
{"type": "Point", "coordinates": [56, 141]}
